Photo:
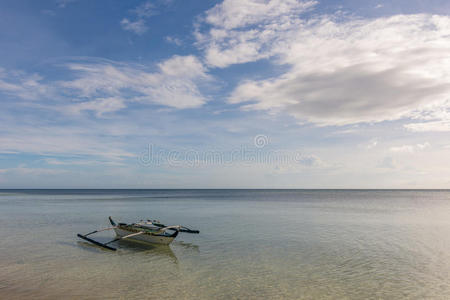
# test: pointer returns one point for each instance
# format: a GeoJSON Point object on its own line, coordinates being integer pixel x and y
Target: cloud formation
{"type": "Point", "coordinates": [174, 84]}
{"type": "Point", "coordinates": [137, 26]}
{"type": "Point", "coordinates": [104, 86]}
{"type": "Point", "coordinates": [357, 71]}
{"type": "Point", "coordinates": [100, 106]}
{"type": "Point", "coordinates": [245, 31]}
{"type": "Point", "coordinates": [341, 70]}
{"type": "Point", "coordinates": [83, 105]}
{"type": "Point", "coordinates": [410, 148]}
{"type": "Point", "coordinates": [137, 22]}
{"type": "Point", "coordinates": [23, 85]}
{"type": "Point", "coordinates": [232, 14]}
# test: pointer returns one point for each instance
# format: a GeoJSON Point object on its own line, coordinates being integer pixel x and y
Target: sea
{"type": "Point", "coordinates": [253, 244]}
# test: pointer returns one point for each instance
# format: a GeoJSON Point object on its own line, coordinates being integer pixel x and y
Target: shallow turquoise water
{"type": "Point", "coordinates": [299, 244]}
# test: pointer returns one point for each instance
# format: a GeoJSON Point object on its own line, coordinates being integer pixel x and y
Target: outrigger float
{"type": "Point", "coordinates": [144, 231]}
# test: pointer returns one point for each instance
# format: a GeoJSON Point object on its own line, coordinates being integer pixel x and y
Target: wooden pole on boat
{"type": "Point", "coordinates": [105, 245]}
{"type": "Point", "coordinates": [124, 237]}
{"type": "Point", "coordinates": [100, 230]}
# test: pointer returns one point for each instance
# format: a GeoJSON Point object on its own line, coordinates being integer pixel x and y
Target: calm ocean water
{"type": "Point", "coordinates": [253, 244]}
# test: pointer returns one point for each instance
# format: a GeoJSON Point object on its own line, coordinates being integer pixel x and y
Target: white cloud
{"type": "Point", "coordinates": [231, 14]}
{"type": "Point", "coordinates": [437, 126]}
{"type": "Point", "coordinates": [183, 66]}
{"type": "Point", "coordinates": [100, 106]}
{"type": "Point", "coordinates": [137, 23]}
{"type": "Point", "coordinates": [22, 85]}
{"type": "Point", "coordinates": [174, 84]}
{"type": "Point", "coordinates": [145, 10]}
{"type": "Point", "coordinates": [433, 117]}
{"type": "Point", "coordinates": [402, 149]}
{"type": "Point", "coordinates": [104, 86]}
{"type": "Point", "coordinates": [341, 70]}
{"type": "Point", "coordinates": [137, 26]}
{"type": "Point", "coordinates": [352, 71]}
{"type": "Point", "coordinates": [138, 16]}
{"type": "Point", "coordinates": [423, 146]}
{"type": "Point", "coordinates": [174, 40]}
{"type": "Point", "coordinates": [245, 31]}
{"type": "Point", "coordinates": [409, 148]}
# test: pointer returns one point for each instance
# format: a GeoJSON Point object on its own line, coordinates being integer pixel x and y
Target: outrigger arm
{"type": "Point", "coordinates": [105, 245]}
{"type": "Point", "coordinates": [123, 237]}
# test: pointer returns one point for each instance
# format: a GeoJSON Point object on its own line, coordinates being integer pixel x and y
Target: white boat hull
{"type": "Point", "coordinates": [145, 237]}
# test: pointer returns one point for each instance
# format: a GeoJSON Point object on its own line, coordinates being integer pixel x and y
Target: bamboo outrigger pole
{"type": "Point", "coordinates": [105, 245]}
{"type": "Point", "coordinates": [95, 242]}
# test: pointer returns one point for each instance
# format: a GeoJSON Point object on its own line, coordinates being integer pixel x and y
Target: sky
{"type": "Point", "coordinates": [225, 94]}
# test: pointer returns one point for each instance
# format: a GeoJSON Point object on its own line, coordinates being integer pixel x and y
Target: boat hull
{"type": "Point", "coordinates": [145, 237]}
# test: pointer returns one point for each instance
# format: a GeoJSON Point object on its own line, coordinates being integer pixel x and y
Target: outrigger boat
{"type": "Point", "coordinates": [144, 231]}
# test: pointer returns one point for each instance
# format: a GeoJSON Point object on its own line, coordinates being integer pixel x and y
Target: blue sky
{"type": "Point", "coordinates": [224, 94]}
